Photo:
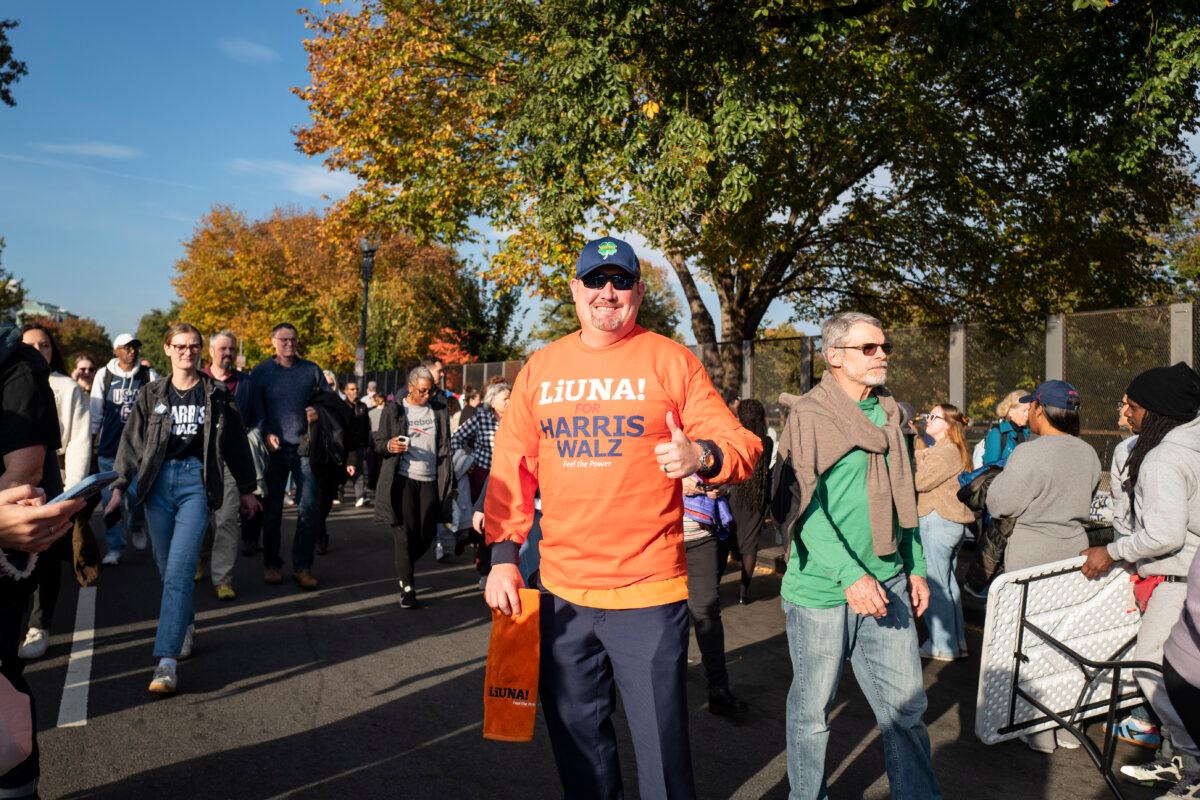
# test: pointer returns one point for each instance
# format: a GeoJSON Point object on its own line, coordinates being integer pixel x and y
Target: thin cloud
{"type": "Point", "coordinates": [47, 162]}
{"type": "Point", "coordinates": [306, 180]}
{"type": "Point", "coordinates": [89, 149]}
{"type": "Point", "coordinates": [247, 51]}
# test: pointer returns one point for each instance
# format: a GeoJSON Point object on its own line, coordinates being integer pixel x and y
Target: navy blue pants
{"type": "Point", "coordinates": [588, 654]}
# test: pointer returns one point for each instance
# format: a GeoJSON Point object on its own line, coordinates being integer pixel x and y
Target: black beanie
{"type": "Point", "coordinates": [1172, 392]}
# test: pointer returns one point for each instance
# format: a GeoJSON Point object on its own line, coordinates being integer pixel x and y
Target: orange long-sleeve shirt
{"type": "Point", "coordinates": [581, 425]}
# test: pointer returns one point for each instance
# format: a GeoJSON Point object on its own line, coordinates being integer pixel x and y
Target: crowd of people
{"type": "Point", "coordinates": [527, 474]}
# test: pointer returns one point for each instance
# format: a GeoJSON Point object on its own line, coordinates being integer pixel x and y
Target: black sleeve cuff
{"type": "Point", "coordinates": [506, 552]}
{"type": "Point", "coordinates": [718, 459]}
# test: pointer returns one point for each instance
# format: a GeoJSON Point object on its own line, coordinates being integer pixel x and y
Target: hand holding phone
{"type": "Point", "coordinates": [398, 444]}
{"type": "Point", "coordinates": [87, 487]}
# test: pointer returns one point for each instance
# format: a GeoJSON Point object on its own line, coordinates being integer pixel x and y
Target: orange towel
{"type": "Point", "coordinates": [511, 683]}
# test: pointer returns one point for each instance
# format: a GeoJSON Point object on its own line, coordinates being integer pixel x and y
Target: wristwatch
{"type": "Point", "coordinates": [708, 460]}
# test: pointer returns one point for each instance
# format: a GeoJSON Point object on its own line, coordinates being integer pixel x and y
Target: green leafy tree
{"type": "Point", "coordinates": [660, 311]}
{"type": "Point", "coordinates": [152, 332]}
{"type": "Point", "coordinates": [12, 292]}
{"type": "Point", "coordinates": [925, 161]}
{"type": "Point", "coordinates": [11, 70]}
{"type": "Point", "coordinates": [481, 321]}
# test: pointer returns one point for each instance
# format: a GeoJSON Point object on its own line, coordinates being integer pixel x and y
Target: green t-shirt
{"type": "Point", "coordinates": [831, 546]}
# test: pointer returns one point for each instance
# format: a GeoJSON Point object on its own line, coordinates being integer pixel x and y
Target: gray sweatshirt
{"type": "Point", "coordinates": [1047, 485]}
{"type": "Point", "coordinates": [1166, 528]}
{"type": "Point", "coordinates": [1116, 487]}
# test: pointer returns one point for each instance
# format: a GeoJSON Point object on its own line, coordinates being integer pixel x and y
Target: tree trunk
{"type": "Point", "coordinates": [703, 327]}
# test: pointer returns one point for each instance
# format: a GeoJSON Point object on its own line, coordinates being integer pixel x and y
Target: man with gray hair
{"type": "Point", "coordinates": [855, 581]}
{"type": "Point", "coordinates": [415, 479]}
{"type": "Point", "coordinates": [221, 545]}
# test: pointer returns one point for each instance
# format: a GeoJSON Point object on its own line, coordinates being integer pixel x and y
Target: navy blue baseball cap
{"type": "Point", "coordinates": [1055, 394]}
{"type": "Point", "coordinates": [607, 252]}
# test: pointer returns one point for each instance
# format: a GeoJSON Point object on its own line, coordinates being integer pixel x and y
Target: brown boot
{"type": "Point", "coordinates": [272, 576]}
{"type": "Point", "coordinates": [305, 580]}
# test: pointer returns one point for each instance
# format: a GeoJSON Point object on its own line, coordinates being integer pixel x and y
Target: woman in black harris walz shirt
{"type": "Point", "coordinates": [183, 433]}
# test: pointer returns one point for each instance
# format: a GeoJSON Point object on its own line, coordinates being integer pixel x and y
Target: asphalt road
{"type": "Point", "coordinates": [340, 693]}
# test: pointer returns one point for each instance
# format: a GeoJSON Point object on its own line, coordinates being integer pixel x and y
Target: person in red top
{"type": "Point", "coordinates": [605, 422]}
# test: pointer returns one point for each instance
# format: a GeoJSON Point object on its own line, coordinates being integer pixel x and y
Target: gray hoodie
{"type": "Point", "coordinates": [1166, 530]}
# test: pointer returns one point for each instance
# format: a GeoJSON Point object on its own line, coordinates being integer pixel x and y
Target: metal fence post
{"type": "Point", "coordinates": [1181, 334]}
{"type": "Point", "coordinates": [747, 368]}
{"type": "Point", "coordinates": [1056, 340]}
{"type": "Point", "coordinates": [806, 365]}
{"type": "Point", "coordinates": [957, 363]}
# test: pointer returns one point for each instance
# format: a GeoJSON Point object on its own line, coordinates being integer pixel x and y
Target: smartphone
{"type": "Point", "coordinates": [93, 484]}
{"type": "Point", "coordinates": [402, 439]}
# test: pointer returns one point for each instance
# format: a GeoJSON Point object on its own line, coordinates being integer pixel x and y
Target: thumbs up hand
{"type": "Point", "coordinates": [677, 458]}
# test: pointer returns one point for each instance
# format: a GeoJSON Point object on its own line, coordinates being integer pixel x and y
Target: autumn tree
{"type": "Point", "coordinates": [660, 311]}
{"type": "Point", "coordinates": [925, 161]}
{"type": "Point", "coordinates": [299, 267]}
{"type": "Point", "coordinates": [77, 335]}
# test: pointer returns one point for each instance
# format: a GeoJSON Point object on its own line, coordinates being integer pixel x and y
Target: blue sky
{"type": "Point", "coordinates": [129, 126]}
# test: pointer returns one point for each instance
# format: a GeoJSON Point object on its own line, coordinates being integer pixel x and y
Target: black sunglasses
{"type": "Point", "coordinates": [869, 349]}
{"type": "Point", "coordinates": [620, 280]}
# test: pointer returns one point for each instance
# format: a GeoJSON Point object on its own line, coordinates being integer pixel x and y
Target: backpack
{"type": "Point", "coordinates": [325, 442]}
{"type": "Point", "coordinates": [141, 373]}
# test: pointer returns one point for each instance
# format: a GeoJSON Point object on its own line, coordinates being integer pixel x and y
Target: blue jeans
{"type": "Point", "coordinates": [942, 540]}
{"type": "Point", "coordinates": [177, 510]}
{"type": "Point", "coordinates": [133, 511]}
{"type": "Point", "coordinates": [287, 463]}
{"type": "Point", "coordinates": [883, 653]}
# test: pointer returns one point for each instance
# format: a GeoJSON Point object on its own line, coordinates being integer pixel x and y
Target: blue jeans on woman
{"type": "Point", "coordinates": [942, 539]}
{"type": "Point", "coordinates": [177, 513]}
{"type": "Point", "coordinates": [883, 653]}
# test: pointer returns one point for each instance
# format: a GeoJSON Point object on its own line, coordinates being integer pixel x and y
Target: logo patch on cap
{"type": "Point", "coordinates": [606, 249]}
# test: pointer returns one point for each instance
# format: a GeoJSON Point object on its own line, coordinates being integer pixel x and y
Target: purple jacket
{"type": "Point", "coordinates": [711, 512]}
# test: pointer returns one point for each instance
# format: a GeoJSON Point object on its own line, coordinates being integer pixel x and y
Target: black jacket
{"type": "Point", "coordinates": [988, 561]}
{"type": "Point", "coordinates": [359, 433]}
{"type": "Point", "coordinates": [144, 441]}
{"type": "Point", "coordinates": [327, 440]}
{"type": "Point", "coordinates": [393, 422]}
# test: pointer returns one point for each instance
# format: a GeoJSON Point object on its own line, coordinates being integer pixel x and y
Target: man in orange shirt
{"type": "Point", "coordinates": [605, 422]}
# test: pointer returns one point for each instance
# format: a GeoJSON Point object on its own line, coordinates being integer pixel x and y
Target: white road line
{"type": "Point", "coordinates": [73, 710]}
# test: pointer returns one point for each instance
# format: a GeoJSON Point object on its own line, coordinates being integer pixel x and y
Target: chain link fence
{"type": "Point", "coordinates": [1102, 352]}
{"type": "Point", "coordinates": [919, 367]}
{"type": "Point", "coordinates": [781, 365]}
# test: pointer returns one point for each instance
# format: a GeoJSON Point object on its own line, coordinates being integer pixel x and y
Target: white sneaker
{"type": "Point", "coordinates": [360, 502]}
{"type": "Point", "coordinates": [35, 644]}
{"type": "Point", "coordinates": [189, 640]}
{"type": "Point", "coordinates": [1035, 745]}
{"type": "Point", "coordinates": [1065, 740]}
{"type": "Point", "coordinates": [111, 558]}
{"type": "Point", "coordinates": [164, 680]}
{"type": "Point", "coordinates": [288, 501]}
{"type": "Point", "coordinates": [138, 539]}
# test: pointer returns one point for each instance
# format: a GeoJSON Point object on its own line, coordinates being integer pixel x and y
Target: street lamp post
{"type": "Point", "coordinates": [368, 244]}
